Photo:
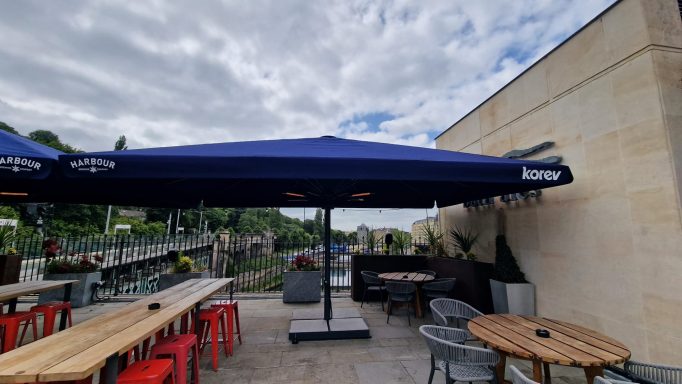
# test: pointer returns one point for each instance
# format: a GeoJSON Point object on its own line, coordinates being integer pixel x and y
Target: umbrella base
{"type": "Point", "coordinates": [310, 325]}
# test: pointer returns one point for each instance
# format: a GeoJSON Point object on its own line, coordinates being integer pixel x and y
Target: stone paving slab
{"type": "Point", "coordinates": [395, 353]}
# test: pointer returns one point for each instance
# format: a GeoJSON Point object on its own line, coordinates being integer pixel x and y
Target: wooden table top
{"type": "Point", "coordinates": [12, 291]}
{"type": "Point", "coordinates": [568, 344]}
{"type": "Point", "coordinates": [81, 350]}
{"type": "Point", "coordinates": [412, 277]}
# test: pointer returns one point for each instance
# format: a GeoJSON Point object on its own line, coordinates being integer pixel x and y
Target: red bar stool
{"type": "Point", "coordinates": [11, 322]}
{"type": "Point", "coordinates": [148, 372]}
{"type": "Point", "coordinates": [232, 314]}
{"type": "Point", "coordinates": [49, 311]}
{"type": "Point", "coordinates": [214, 317]}
{"type": "Point", "coordinates": [179, 346]}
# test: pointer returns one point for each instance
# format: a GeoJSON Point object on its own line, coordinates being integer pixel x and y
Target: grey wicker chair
{"type": "Point", "coordinates": [658, 373]}
{"type": "Point", "coordinates": [460, 362]}
{"type": "Point", "coordinates": [427, 272]}
{"type": "Point", "coordinates": [442, 309]}
{"type": "Point", "coordinates": [607, 380]}
{"type": "Point", "coordinates": [520, 378]}
{"type": "Point", "coordinates": [372, 283]}
{"type": "Point", "coordinates": [438, 288]}
{"type": "Point", "coordinates": [444, 333]}
{"type": "Point", "coordinates": [403, 292]}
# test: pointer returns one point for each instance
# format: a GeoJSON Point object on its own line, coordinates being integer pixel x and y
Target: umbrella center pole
{"type": "Point", "coordinates": [327, 264]}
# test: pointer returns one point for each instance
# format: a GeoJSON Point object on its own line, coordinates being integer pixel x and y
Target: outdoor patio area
{"type": "Point", "coordinates": [395, 353]}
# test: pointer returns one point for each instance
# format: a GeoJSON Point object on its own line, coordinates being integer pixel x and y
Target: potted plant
{"type": "Point", "coordinates": [434, 237]}
{"type": "Point", "coordinates": [183, 269]}
{"type": "Point", "coordinates": [10, 260]}
{"type": "Point", "coordinates": [83, 268]}
{"type": "Point", "coordinates": [511, 292]}
{"type": "Point", "coordinates": [464, 240]}
{"type": "Point", "coordinates": [303, 281]}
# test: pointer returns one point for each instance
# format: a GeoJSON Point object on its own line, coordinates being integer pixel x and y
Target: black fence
{"type": "Point", "coordinates": [133, 264]}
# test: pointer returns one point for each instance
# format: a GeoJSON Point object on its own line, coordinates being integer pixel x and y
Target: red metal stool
{"type": "Point", "coordinates": [148, 372]}
{"type": "Point", "coordinates": [179, 346]}
{"type": "Point", "coordinates": [214, 317]}
{"type": "Point", "coordinates": [232, 315]}
{"type": "Point", "coordinates": [49, 311]}
{"type": "Point", "coordinates": [11, 322]}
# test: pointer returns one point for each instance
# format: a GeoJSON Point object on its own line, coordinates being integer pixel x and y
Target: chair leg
{"type": "Point", "coordinates": [448, 379]}
{"type": "Point", "coordinates": [363, 297]}
{"type": "Point", "coordinates": [381, 297]}
{"type": "Point", "coordinates": [389, 310]}
{"type": "Point", "coordinates": [433, 368]}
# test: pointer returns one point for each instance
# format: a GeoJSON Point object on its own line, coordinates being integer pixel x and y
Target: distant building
{"type": "Point", "coordinates": [362, 231]}
{"type": "Point", "coordinates": [380, 233]}
{"type": "Point", "coordinates": [418, 234]}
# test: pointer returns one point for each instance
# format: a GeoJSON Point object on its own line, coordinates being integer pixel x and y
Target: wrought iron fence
{"type": "Point", "coordinates": [133, 264]}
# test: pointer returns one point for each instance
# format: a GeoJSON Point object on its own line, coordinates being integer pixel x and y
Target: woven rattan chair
{"type": "Point", "coordinates": [518, 377]}
{"type": "Point", "coordinates": [461, 312]}
{"type": "Point", "coordinates": [460, 362]}
{"type": "Point", "coordinates": [427, 272]}
{"type": "Point", "coordinates": [402, 292]}
{"type": "Point", "coordinates": [444, 333]}
{"type": "Point", "coordinates": [372, 283]}
{"type": "Point", "coordinates": [658, 373]}
{"type": "Point", "coordinates": [438, 288]}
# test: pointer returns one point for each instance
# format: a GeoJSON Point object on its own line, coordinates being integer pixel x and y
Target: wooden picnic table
{"type": "Point", "coordinates": [567, 344]}
{"type": "Point", "coordinates": [410, 277]}
{"type": "Point", "coordinates": [79, 351]}
{"type": "Point", "coordinates": [12, 292]}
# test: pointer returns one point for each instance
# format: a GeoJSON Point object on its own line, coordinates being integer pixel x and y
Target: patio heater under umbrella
{"type": "Point", "coordinates": [324, 172]}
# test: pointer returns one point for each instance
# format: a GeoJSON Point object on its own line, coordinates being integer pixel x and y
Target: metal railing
{"type": "Point", "coordinates": [133, 264]}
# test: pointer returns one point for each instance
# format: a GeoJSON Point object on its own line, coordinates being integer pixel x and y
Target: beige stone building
{"type": "Point", "coordinates": [417, 232]}
{"type": "Point", "coordinates": [606, 250]}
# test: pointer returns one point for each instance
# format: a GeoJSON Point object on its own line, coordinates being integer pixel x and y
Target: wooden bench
{"type": "Point", "coordinates": [81, 350]}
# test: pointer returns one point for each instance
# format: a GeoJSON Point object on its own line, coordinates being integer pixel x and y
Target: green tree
{"type": "Point", "coordinates": [51, 140]}
{"type": "Point", "coordinates": [7, 128]}
{"type": "Point", "coordinates": [121, 144]}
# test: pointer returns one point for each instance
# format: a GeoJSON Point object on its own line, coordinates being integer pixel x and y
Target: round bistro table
{"type": "Point", "coordinates": [410, 277]}
{"type": "Point", "coordinates": [567, 344]}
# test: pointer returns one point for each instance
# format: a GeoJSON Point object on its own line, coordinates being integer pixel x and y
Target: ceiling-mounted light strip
{"type": "Point", "coordinates": [363, 194]}
{"type": "Point", "coordinates": [13, 194]}
{"type": "Point", "coordinates": [293, 194]}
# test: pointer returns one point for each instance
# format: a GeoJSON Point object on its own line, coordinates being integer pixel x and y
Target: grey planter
{"type": "Point", "coordinates": [518, 299]}
{"type": "Point", "coordinates": [302, 287]}
{"type": "Point", "coordinates": [81, 293]}
{"type": "Point", "coordinates": [10, 269]}
{"type": "Point", "coordinates": [167, 280]}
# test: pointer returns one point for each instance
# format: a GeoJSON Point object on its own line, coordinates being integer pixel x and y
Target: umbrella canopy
{"type": "Point", "coordinates": [23, 163]}
{"type": "Point", "coordinates": [316, 172]}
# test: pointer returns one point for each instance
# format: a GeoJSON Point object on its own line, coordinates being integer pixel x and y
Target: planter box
{"type": "Point", "coordinates": [167, 280]}
{"type": "Point", "coordinates": [81, 293]}
{"type": "Point", "coordinates": [518, 299]}
{"type": "Point", "coordinates": [302, 287]}
{"type": "Point", "coordinates": [10, 269]}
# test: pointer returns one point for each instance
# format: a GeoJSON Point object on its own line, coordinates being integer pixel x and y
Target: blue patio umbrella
{"type": "Point", "coordinates": [325, 172]}
{"type": "Point", "coordinates": [317, 172]}
{"type": "Point", "coordinates": [24, 164]}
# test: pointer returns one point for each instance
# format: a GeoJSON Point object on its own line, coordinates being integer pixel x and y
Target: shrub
{"type": "Point", "coordinates": [74, 264]}
{"type": "Point", "coordinates": [183, 265]}
{"type": "Point", "coordinates": [506, 268]}
{"type": "Point", "coordinates": [464, 240]}
{"type": "Point", "coordinates": [303, 263]}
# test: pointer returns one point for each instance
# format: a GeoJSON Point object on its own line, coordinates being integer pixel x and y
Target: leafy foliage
{"type": "Point", "coordinates": [74, 264]}
{"type": "Point", "coordinates": [464, 240]}
{"type": "Point", "coordinates": [434, 237]}
{"type": "Point", "coordinates": [371, 241]}
{"type": "Point", "coordinates": [51, 140]}
{"type": "Point", "coordinates": [7, 128]}
{"type": "Point", "coordinates": [120, 144]}
{"type": "Point", "coordinates": [183, 265]}
{"type": "Point", "coordinates": [506, 268]}
{"type": "Point", "coordinates": [7, 236]}
{"type": "Point", "coordinates": [304, 263]}
{"type": "Point", "coordinates": [401, 241]}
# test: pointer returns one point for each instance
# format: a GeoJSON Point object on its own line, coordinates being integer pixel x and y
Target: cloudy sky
{"type": "Point", "coordinates": [185, 72]}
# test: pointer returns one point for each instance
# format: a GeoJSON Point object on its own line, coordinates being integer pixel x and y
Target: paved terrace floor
{"type": "Point", "coordinates": [394, 354]}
